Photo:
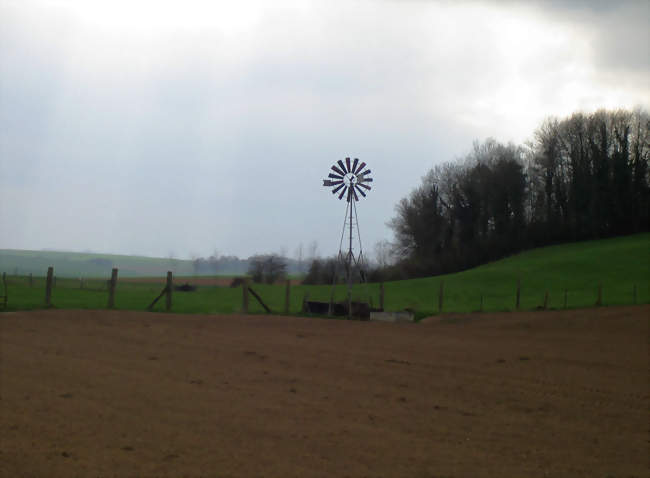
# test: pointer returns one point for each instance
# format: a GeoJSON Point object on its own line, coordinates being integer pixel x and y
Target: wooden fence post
{"type": "Point", "coordinates": [381, 296]}
{"type": "Point", "coordinates": [545, 300]}
{"type": "Point", "coordinates": [111, 288]}
{"type": "Point", "coordinates": [244, 289]}
{"type": "Point", "coordinates": [48, 287]}
{"type": "Point", "coordinates": [330, 309]}
{"type": "Point", "coordinates": [441, 293]}
{"type": "Point", "coordinates": [287, 296]}
{"type": "Point", "coordinates": [170, 288]}
{"type": "Point", "coordinates": [599, 299]}
{"type": "Point", "coordinates": [518, 294]}
{"type": "Point", "coordinates": [349, 304]}
{"type": "Point", "coordinates": [5, 298]}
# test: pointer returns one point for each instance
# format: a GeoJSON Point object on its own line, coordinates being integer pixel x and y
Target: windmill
{"type": "Point", "coordinates": [350, 180]}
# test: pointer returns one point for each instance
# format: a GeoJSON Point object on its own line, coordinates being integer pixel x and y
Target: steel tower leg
{"type": "Point", "coordinates": [350, 259]}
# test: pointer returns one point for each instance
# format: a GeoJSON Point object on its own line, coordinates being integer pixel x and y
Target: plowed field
{"type": "Point", "coordinates": [101, 393]}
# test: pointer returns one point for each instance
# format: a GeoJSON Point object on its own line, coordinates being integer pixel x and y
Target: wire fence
{"type": "Point", "coordinates": [24, 292]}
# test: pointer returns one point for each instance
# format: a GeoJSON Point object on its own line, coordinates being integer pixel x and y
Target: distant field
{"type": "Point", "coordinates": [620, 265]}
{"type": "Point", "coordinates": [77, 264]}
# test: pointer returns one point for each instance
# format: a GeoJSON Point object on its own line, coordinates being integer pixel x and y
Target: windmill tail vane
{"type": "Point", "coordinates": [349, 179]}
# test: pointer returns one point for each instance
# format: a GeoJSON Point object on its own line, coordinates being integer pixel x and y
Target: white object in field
{"type": "Point", "coordinates": [402, 316]}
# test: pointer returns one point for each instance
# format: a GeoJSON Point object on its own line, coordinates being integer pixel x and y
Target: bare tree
{"type": "Point", "coordinates": [267, 268]}
{"type": "Point", "coordinates": [172, 263]}
{"type": "Point", "coordinates": [195, 262]}
{"type": "Point", "coordinates": [384, 253]}
{"type": "Point", "coordinates": [256, 268]}
{"type": "Point", "coordinates": [299, 258]}
{"type": "Point", "coordinates": [312, 251]}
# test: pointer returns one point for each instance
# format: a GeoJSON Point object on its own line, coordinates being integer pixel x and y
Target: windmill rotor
{"type": "Point", "coordinates": [349, 179]}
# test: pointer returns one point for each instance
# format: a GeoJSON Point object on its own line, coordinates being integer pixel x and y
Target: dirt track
{"type": "Point", "coordinates": [94, 393]}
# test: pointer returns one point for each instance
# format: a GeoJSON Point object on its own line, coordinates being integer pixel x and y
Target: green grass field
{"type": "Point", "coordinates": [620, 265]}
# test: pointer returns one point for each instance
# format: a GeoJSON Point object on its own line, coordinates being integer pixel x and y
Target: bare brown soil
{"type": "Point", "coordinates": [102, 393]}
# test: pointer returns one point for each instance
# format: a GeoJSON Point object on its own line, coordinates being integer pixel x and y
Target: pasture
{"type": "Point", "coordinates": [570, 273]}
{"type": "Point", "coordinates": [118, 393]}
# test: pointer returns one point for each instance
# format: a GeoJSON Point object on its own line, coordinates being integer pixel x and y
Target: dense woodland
{"type": "Point", "coordinates": [583, 177]}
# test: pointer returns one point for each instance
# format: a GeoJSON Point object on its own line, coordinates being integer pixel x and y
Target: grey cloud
{"type": "Point", "coordinates": [619, 28]}
{"type": "Point", "coordinates": [208, 142]}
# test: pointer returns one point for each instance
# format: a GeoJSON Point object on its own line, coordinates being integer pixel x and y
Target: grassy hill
{"type": "Point", "coordinates": [617, 264]}
{"type": "Point", "coordinates": [620, 266]}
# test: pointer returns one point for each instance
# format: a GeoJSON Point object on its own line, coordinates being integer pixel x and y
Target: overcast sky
{"type": "Point", "coordinates": [157, 127]}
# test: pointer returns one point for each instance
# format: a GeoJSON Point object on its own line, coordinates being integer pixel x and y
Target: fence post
{"type": "Point", "coordinates": [287, 296]}
{"type": "Point", "coordinates": [170, 288]}
{"type": "Point", "coordinates": [4, 286]}
{"type": "Point", "coordinates": [111, 288]}
{"type": "Point", "coordinates": [349, 303]}
{"type": "Point", "coordinates": [441, 295]}
{"type": "Point", "coordinates": [330, 309]}
{"type": "Point", "coordinates": [48, 286]}
{"type": "Point", "coordinates": [244, 288]}
{"type": "Point", "coordinates": [381, 296]}
{"type": "Point", "coordinates": [599, 299]}
{"type": "Point", "coordinates": [305, 299]}
{"type": "Point", "coordinates": [518, 294]}
{"type": "Point", "coordinates": [545, 300]}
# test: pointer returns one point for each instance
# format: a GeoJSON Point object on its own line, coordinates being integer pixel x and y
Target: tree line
{"type": "Point", "coordinates": [582, 177]}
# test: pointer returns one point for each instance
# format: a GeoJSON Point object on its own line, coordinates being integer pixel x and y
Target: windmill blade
{"type": "Point", "coordinates": [367, 180]}
{"type": "Point", "coordinates": [347, 163]}
{"type": "Point", "coordinates": [354, 165]}
{"type": "Point", "coordinates": [366, 172]}
{"type": "Point", "coordinates": [334, 176]}
{"type": "Point", "coordinates": [329, 182]}
{"type": "Point", "coordinates": [343, 192]}
{"type": "Point", "coordinates": [342, 166]}
{"type": "Point", "coordinates": [356, 186]}
{"type": "Point", "coordinates": [336, 189]}
{"type": "Point", "coordinates": [356, 198]}
{"type": "Point", "coordinates": [337, 170]}
{"type": "Point", "coordinates": [361, 166]}
{"type": "Point", "coordinates": [364, 186]}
